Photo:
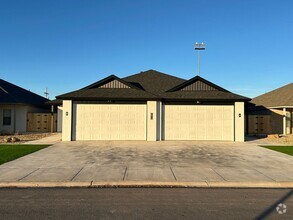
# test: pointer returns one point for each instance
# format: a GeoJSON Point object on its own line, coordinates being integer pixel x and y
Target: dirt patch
{"type": "Point", "coordinates": [25, 137]}
{"type": "Point", "coordinates": [288, 139]}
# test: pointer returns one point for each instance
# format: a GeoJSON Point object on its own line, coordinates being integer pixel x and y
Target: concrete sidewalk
{"type": "Point", "coordinates": [185, 163]}
{"type": "Point", "coordinates": [53, 139]}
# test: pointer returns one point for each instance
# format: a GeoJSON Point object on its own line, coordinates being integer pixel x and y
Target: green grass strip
{"type": "Point", "coordinates": [282, 149]}
{"type": "Point", "coordinates": [10, 152]}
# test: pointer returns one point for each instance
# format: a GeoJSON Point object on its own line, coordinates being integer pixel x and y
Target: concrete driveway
{"type": "Point", "coordinates": [150, 161]}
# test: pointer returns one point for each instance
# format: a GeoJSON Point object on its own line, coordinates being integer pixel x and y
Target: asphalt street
{"type": "Point", "coordinates": [145, 203]}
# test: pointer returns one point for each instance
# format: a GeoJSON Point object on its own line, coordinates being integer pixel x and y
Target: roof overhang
{"type": "Point", "coordinates": [280, 107]}
{"type": "Point", "coordinates": [110, 99]}
{"type": "Point", "coordinates": [203, 100]}
{"type": "Point", "coordinates": [153, 99]}
{"type": "Point", "coordinates": [12, 103]}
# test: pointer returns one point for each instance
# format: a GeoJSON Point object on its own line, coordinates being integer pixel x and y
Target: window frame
{"type": "Point", "coordinates": [7, 120]}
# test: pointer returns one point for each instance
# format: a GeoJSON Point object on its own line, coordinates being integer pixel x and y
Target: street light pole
{"type": "Point", "coordinates": [198, 60]}
{"type": "Point", "coordinates": [199, 47]}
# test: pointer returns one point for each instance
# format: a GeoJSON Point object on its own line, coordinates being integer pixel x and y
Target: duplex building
{"type": "Point", "coordinates": [152, 106]}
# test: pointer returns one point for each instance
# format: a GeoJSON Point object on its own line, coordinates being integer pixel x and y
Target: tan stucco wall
{"type": "Point", "coordinates": [67, 120]}
{"type": "Point", "coordinates": [239, 121]}
{"type": "Point", "coordinates": [272, 122]}
{"type": "Point", "coordinates": [277, 121]}
{"type": "Point", "coordinates": [19, 113]}
{"type": "Point", "coordinates": [59, 118]}
{"type": "Point", "coordinates": [154, 115]}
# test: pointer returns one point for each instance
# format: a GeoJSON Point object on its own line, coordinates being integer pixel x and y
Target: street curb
{"type": "Point", "coordinates": [146, 184]}
{"type": "Point", "coordinates": [44, 184]}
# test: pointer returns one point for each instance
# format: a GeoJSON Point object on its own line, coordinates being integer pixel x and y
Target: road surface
{"type": "Point", "coordinates": [144, 203]}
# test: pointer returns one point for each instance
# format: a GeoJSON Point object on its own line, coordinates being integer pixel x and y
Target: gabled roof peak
{"type": "Point", "coordinates": [122, 83]}
{"type": "Point", "coordinates": [154, 72]}
{"type": "Point", "coordinates": [197, 83]}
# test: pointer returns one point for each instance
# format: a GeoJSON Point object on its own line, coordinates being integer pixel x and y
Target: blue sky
{"type": "Point", "coordinates": [65, 45]}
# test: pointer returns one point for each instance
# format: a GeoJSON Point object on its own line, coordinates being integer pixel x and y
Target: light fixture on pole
{"type": "Point", "coordinates": [199, 47]}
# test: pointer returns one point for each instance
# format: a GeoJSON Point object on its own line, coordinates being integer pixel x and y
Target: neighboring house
{"type": "Point", "coordinates": [15, 104]}
{"type": "Point", "coordinates": [152, 106]}
{"type": "Point", "coordinates": [271, 112]}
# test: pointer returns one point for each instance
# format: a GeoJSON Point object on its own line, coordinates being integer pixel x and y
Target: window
{"type": "Point", "coordinates": [6, 116]}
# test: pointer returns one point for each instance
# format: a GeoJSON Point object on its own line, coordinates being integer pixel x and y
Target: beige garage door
{"type": "Point", "coordinates": [109, 122]}
{"type": "Point", "coordinates": [201, 122]}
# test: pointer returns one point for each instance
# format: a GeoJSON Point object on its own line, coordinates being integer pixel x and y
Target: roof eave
{"type": "Point", "coordinates": [208, 100]}
{"type": "Point", "coordinates": [281, 106]}
{"type": "Point", "coordinates": [154, 99]}
{"type": "Point", "coordinates": [108, 98]}
{"type": "Point", "coordinates": [12, 103]}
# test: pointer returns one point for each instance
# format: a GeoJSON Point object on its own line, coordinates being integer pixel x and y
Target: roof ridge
{"type": "Point", "coordinates": [141, 72]}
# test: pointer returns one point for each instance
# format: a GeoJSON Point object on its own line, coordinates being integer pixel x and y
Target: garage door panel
{"type": "Point", "coordinates": [109, 122]}
{"type": "Point", "coordinates": [190, 122]}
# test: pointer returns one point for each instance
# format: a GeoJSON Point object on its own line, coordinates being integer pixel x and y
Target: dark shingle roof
{"type": "Point", "coordinates": [149, 85]}
{"type": "Point", "coordinates": [12, 94]}
{"type": "Point", "coordinates": [101, 93]}
{"type": "Point", "coordinates": [204, 95]}
{"type": "Point", "coordinates": [282, 96]}
{"type": "Point", "coordinates": [54, 102]}
{"type": "Point", "coordinates": [154, 81]}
